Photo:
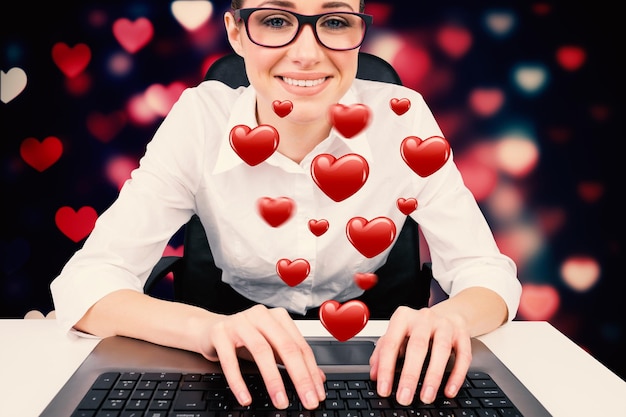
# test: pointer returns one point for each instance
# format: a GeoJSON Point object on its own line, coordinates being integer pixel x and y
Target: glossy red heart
{"type": "Point", "coordinates": [41, 155]}
{"type": "Point", "coordinates": [365, 280]}
{"type": "Point", "coordinates": [318, 227]}
{"type": "Point", "coordinates": [254, 145]}
{"type": "Point", "coordinates": [293, 272]}
{"type": "Point", "coordinates": [371, 238]}
{"type": "Point", "coordinates": [276, 211]}
{"type": "Point", "coordinates": [71, 60]}
{"type": "Point", "coordinates": [282, 108]}
{"type": "Point", "coordinates": [400, 105]}
{"type": "Point", "coordinates": [344, 321]}
{"type": "Point", "coordinates": [133, 35]}
{"type": "Point", "coordinates": [339, 178]}
{"type": "Point", "coordinates": [76, 224]}
{"type": "Point", "coordinates": [426, 156]}
{"type": "Point", "coordinates": [406, 205]}
{"type": "Point", "coordinates": [349, 120]}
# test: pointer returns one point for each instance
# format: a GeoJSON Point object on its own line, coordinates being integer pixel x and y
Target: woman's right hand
{"type": "Point", "coordinates": [267, 336]}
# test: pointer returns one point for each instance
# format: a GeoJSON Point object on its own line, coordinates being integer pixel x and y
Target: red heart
{"type": "Point", "coordinates": [275, 211]}
{"type": "Point", "coordinates": [349, 120]}
{"type": "Point", "coordinates": [425, 156]}
{"type": "Point", "coordinates": [373, 237]}
{"type": "Point", "coordinates": [538, 302]}
{"type": "Point", "coordinates": [76, 224]}
{"type": "Point", "coordinates": [41, 155]}
{"type": "Point", "coordinates": [318, 227]}
{"type": "Point", "coordinates": [256, 145]}
{"type": "Point", "coordinates": [571, 57]}
{"type": "Point", "coordinates": [71, 61]}
{"type": "Point", "coordinates": [133, 35]}
{"type": "Point", "coordinates": [486, 101]}
{"type": "Point", "coordinates": [161, 98]}
{"type": "Point", "coordinates": [282, 108]}
{"type": "Point", "coordinates": [406, 205]}
{"type": "Point", "coordinates": [365, 280]}
{"type": "Point", "coordinates": [400, 106]}
{"type": "Point", "coordinates": [105, 127]}
{"type": "Point", "coordinates": [341, 177]}
{"type": "Point", "coordinates": [454, 40]}
{"type": "Point", "coordinates": [293, 272]}
{"type": "Point", "coordinates": [344, 321]}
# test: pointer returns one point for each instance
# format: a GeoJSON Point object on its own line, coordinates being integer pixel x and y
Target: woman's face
{"type": "Point", "coordinates": [304, 72]}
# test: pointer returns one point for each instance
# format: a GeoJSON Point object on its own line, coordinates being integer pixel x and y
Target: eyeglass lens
{"type": "Point", "coordinates": [275, 28]}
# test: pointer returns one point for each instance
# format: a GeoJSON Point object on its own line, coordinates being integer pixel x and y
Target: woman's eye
{"type": "Point", "coordinates": [276, 22]}
{"type": "Point", "coordinates": [335, 23]}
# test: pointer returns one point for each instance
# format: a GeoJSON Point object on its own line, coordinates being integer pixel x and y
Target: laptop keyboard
{"type": "Point", "coordinates": [170, 394]}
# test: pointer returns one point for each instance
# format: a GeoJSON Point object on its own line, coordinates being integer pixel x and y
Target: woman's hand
{"type": "Point", "coordinates": [413, 334]}
{"type": "Point", "coordinates": [267, 337]}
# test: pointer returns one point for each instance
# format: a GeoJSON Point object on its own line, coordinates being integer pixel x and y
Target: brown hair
{"type": "Point", "coordinates": [236, 4]}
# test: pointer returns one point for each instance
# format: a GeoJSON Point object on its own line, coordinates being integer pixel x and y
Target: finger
{"type": "Point", "coordinates": [462, 362]}
{"type": "Point", "coordinates": [298, 359]}
{"type": "Point", "coordinates": [417, 350]}
{"type": "Point", "coordinates": [387, 351]}
{"type": "Point", "coordinates": [229, 363]}
{"type": "Point", "coordinates": [440, 351]}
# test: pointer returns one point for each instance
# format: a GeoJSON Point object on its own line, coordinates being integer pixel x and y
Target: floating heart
{"type": "Point", "coordinates": [344, 321]}
{"type": "Point", "coordinates": [580, 272]}
{"type": "Point", "coordinates": [425, 156]}
{"type": "Point", "coordinates": [133, 36]}
{"type": "Point", "coordinates": [339, 178]}
{"type": "Point", "coordinates": [71, 61]}
{"type": "Point", "coordinates": [275, 211]}
{"type": "Point", "coordinates": [105, 127]}
{"type": "Point", "coordinates": [349, 120]}
{"type": "Point", "coordinates": [400, 105]}
{"type": "Point", "coordinates": [293, 272]}
{"type": "Point", "coordinates": [161, 98]}
{"type": "Point", "coordinates": [365, 280]}
{"type": "Point", "coordinates": [454, 40]}
{"type": "Point", "coordinates": [370, 238]}
{"type": "Point", "coordinates": [12, 83]}
{"type": "Point", "coordinates": [76, 224]}
{"type": "Point", "coordinates": [406, 205]}
{"type": "Point", "coordinates": [192, 14]}
{"type": "Point", "coordinates": [41, 155]}
{"type": "Point", "coordinates": [486, 101]}
{"type": "Point", "coordinates": [318, 227]}
{"type": "Point", "coordinates": [254, 145]}
{"type": "Point", "coordinates": [571, 57]}
{"type": "Point", "coordinates": [282, 108]}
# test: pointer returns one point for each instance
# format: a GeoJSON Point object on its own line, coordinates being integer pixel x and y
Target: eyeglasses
{"type": "Point", "coordinates": [275, 28]}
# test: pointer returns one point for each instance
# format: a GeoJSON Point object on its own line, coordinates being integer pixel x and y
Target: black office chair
{"type": "Point", "coordinates": [403, 280]}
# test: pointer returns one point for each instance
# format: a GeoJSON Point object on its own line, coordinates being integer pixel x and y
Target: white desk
{"type": "Point", "coordinates": [564, 378]}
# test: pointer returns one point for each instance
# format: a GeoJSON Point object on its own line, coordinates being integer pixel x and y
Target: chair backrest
{"type": "Point", "coordinates": [401, 281]}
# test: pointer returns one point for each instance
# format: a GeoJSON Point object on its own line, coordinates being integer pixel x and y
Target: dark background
{"type": "Point", "coordinates": [560, 207]}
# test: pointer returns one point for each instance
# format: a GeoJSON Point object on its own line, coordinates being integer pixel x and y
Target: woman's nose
{"type": "Point", "coordinates": [305, 48]}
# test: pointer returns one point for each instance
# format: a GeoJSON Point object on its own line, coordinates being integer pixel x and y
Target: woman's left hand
{"type": "Point", "coordinates": [415, 334]}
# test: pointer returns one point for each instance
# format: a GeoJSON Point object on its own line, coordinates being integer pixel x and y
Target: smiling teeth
{"type": "Point", "coordinates": [303, 83]}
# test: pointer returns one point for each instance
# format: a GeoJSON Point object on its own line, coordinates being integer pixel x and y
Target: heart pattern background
{"type": "Point", "coordinates": [533, 134]}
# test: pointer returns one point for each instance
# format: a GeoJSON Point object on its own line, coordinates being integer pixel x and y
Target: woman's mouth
{"type": "Point", "coordinates": [303, 83]}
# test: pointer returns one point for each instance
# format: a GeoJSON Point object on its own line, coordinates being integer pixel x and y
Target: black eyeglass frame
{"type": "Point", "coordinates": [244, 14]}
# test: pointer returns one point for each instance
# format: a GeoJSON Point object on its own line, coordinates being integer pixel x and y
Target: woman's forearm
{"type": "Point", "coordinates": [133, 314]}
{"type": "Point", "coordinates": [482, 309]}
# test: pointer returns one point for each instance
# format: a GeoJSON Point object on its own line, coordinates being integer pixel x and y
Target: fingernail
{"type": "Point", "coordinates": [281, 400]}
{"type": "Point", "coordinates": [452, 390]}
{"type": "Point", "coordinates": [405, 397]}
{"type": "Point", "coordinates": [244, 398]}
{"type": "Point", "coordinates": [429, 395]}
{"type": "Point", "coordinates": [311, 399]}
{"type": "Point", "coordinates": [383, 388]}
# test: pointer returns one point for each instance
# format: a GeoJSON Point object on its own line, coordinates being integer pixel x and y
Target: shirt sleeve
{"type": "Point", "coordinates": [130, 236]}
{"type": "Point", "coordinates": [461, 243]}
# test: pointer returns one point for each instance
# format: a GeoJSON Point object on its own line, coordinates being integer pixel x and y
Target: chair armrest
{"type": "Point", "coordinates": [164, 266]}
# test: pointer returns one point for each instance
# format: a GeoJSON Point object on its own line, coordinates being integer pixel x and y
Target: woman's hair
{"type": "Point", "coordinates": [236, 4]}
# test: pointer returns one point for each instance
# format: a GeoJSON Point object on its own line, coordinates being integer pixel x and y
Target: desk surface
{"type": "Point", "coordinates": [565, 379]}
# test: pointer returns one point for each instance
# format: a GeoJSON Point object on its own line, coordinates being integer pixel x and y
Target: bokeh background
{"type": "Point", "coordinates": [529, 94]}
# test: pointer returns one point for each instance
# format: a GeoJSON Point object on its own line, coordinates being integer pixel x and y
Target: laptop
{"type": "Point", "coordinates": [157, 381]}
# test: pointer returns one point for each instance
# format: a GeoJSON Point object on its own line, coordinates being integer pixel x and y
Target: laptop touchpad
{"type": "Point", "coordinates": [351, 352]}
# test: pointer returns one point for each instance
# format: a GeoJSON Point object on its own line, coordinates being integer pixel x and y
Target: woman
{"type": "Point", "coordinates": [300, 65]}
